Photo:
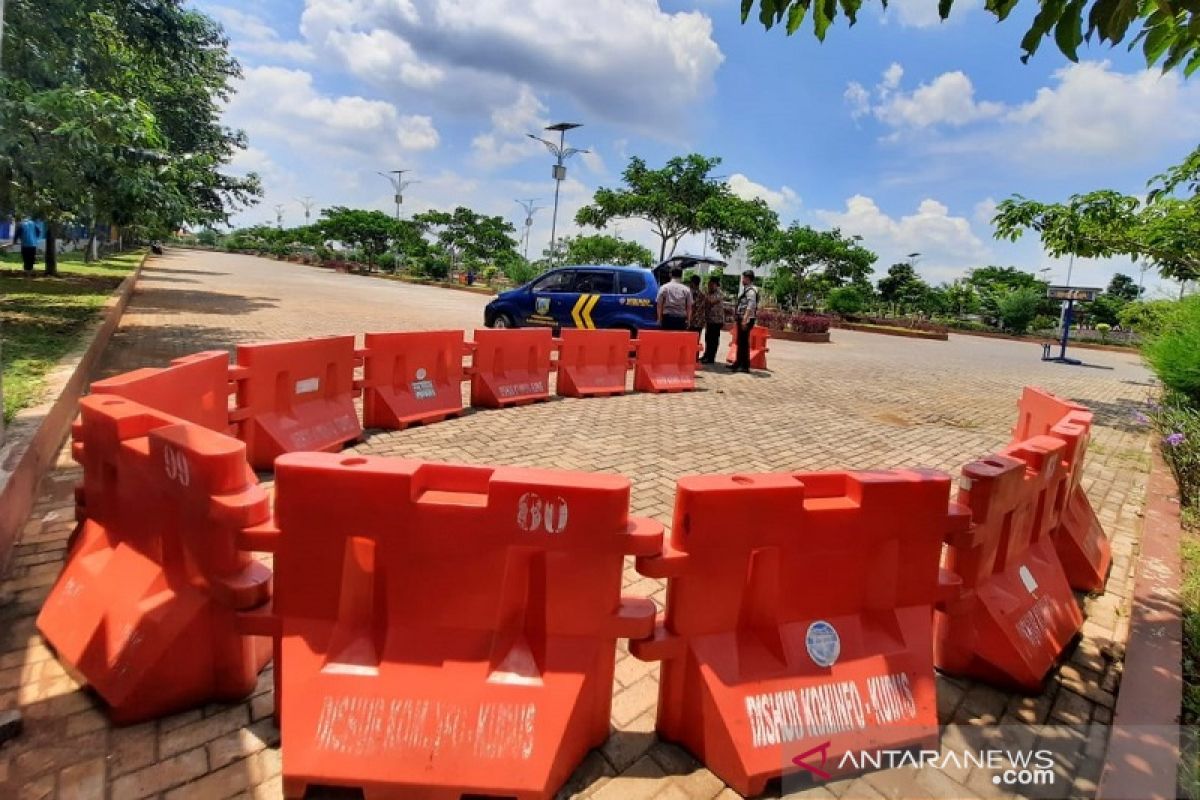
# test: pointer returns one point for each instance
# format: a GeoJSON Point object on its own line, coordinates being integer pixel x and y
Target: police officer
{"type": "Point", "coordinates": [674, 303]}
{"type": "Point", "coordinates": [744, 314]}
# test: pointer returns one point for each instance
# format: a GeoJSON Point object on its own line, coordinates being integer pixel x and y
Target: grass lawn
{"type": "Point", "coordinates": [42, 318]}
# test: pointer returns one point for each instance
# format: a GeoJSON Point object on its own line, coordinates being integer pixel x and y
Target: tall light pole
{"type": "Point", "coordinates": [279, 215]}
{"type": "Point", "coordinates": [561, 153]}
{"type": "Point", "coordinates": [308, 204]}
{"type": "Point", "coordinates": [398, 186]}
{"type": "Point", "coordinates": [530, 208]}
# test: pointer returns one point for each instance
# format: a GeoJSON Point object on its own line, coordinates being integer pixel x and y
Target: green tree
{"type": "Point", "coordinates": [1104, 223]}
{"type": "Point", "coordinates": [1168, 33]}
{"type": "Point", "coordinates": [680, 199]}
{"type": "Point", "coordinates": [372, 232]}
{"type": "Point", "coordinates": [1017, 308]}
{"type": "Point", "coordinates": [470, 239]}
{"type": "Point", "coordinates": [991, 283]}
{"type": "Point", "coordinates": [846, 300]}
{"type": "Point", "coordinates": [902, 288]}
{"type": "Point", "coordinates": [830, 258]}
{"type": "Point", "coordinates": [1147, 317]}
{"type": "Point", "coordinates": [111, 112]}
{"type": "Point", "coordinates": [1123, 288]}
{"type": "Point", "coordinates": [603, 249]}
{"type": "Point", "coordinates": [961, 297]}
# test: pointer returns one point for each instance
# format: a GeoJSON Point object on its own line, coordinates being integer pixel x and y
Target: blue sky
{"type": "Point", "coordinates": [902, 129]}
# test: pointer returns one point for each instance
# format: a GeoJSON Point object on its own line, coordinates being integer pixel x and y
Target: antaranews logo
{"type": "Point", "coordinates": [1011, 767]}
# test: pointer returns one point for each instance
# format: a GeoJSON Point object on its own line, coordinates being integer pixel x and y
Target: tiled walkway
{"type": "Point", "coordinates": [864, 401]}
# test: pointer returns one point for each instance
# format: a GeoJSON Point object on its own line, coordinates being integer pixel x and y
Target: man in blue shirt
{"type": "Point", "coordinates": [27, 233]}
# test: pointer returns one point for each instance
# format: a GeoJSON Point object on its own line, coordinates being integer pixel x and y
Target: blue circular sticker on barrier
{"type": "Point", "coordinates": [823, 643]}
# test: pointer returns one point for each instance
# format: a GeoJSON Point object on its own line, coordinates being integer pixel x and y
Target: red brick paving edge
{"type": "Point", "coordinates": [36, 434]}
{"type": "Point", "coordinates": [1142, 762]}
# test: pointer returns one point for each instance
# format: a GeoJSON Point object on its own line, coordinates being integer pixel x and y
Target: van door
{"type": "Point", "coordinates": [551, 298]}
{"type": "Point", "coordinates": [596, 288]}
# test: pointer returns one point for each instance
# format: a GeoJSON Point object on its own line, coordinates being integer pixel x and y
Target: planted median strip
{"type": "Point", "coordinates": [43, 318]}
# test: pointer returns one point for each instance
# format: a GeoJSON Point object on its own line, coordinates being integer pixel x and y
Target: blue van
{"type": "Point", "coordinates": [580, 296]}
{"type": "Point", "coordinates": [591, 296]}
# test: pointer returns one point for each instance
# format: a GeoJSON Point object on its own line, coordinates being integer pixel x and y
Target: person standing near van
{"type": "Point", "coordinates": [696, 317]}
{"type": "Point", "coordinates": [674, 303]}
{"type": "Point", "coordinates": [745, 312]}
{"type": "Point", "coordinates": [714, 320]}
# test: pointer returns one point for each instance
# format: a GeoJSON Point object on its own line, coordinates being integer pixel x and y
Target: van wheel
{"type": "Point", "coordinates": [503, 321]}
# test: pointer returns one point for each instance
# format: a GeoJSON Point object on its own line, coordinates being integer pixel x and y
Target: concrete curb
{"type": "Point", "coordinates": [1142, 761]}
{"type": "Point", "coordinates": [35, 435]}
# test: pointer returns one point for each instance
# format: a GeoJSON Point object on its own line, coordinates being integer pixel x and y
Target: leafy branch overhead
{"type": "Point", "coordinates": [1168, 32]}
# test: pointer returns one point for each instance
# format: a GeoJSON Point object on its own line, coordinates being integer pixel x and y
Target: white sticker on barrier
{"type": "Point", "coordinates": [1027, 578]}
{"type": "Point", "coordinates": [308, 385]}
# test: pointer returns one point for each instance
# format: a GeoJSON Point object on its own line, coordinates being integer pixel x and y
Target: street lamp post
{"type": "Point", "coordinates": [308, 204]}
{"type": "Point", "coordinates": [398, 186]}
{"type": "Point", "coordinates": [279, 215]}
{"type": "Point", "coordinates": [561, 153]}
{"type": "Point", "coordinates": [530, 208]}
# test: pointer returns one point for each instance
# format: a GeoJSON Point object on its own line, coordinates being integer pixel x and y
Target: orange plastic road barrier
{"type": "Point", "coordinates": [593, 362]}
{"type": "Point", "coordinates": [1082, 546]}
{"type": "Point", "coordinates": [666, 361]}
{"type": "Point", "coordinates": [797, 623]}
{"type": "Point", "coordinates": [1014, 614]}
{"type": "Point", "coordinates": [195, 388]}
{"type": "Point", "coordinates": [758, 346]}
{"type": "Point", "coordinates": [411, 378]}
{"type": "Point", "coordinates": [510, 367]}
{"type": "Point", "coordinates": [146, 608]}
{"type": "Point", "coordinates": [295, 396]}
{"type": "Point", "coordinates": [448, 630]}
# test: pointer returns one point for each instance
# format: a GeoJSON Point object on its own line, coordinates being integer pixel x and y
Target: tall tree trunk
{"type": "Point", "coordinates": [51, 249]}
{"type": "Point", "coordinates": [662, 251]}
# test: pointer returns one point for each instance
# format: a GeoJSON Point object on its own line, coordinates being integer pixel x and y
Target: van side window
{"type": "Point", "coordinates": [561, 281]}
{"type": "Point", "coordinates": [595, 282]}
{"type": "Point", "coordinates": [632, 283]}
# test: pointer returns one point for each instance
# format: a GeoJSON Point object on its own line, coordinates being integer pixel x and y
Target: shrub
{"type": "Point", "coordinates": [770, 318]}
{"type": "Point", "coordinates": [386, 261]}
{"type": "Point", "coordinates": [1146, 317]}
{"type": "Point", "coordinates": [1178, 424]}
{"type": "Point", "coordinates": [489, 273]}
{"type": "Point", "coordinates": [809, 323]}
{"type": "Point", "coordinates": [1043, 323]}
{"type": "Point", "coordinates": [1017, 308]}
{"type": "Point", "coordinates": [845, 300]}
{"type": "Point", "coordinates": [521, 272]}
{"type": "Point", "coordinates": [1103, 328]}
{"type": "Point", "coordinates": [1174, 354]}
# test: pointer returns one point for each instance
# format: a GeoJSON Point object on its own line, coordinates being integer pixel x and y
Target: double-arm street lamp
{"type": "Point", "coordinates": [561, 153]}
{"type": "Point", "coordinates": [530, 208]}
{"type": "Point", "coordinates": [396, 178]}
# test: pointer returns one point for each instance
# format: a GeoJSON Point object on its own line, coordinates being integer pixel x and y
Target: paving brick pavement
{"type": "Point", "coordinates": [863, 401]}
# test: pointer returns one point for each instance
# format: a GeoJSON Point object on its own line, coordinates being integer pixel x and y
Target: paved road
{"type": "Point", "coordinates": [864, 401]}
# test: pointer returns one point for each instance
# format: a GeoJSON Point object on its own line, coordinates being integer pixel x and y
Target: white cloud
{"type": "Point", "coordinates": [947, 100]}
{"type": "Point", "coordinates": [985, 209]}
{"type": "Point", "coordinates": [621, 60]}
{"type": "Point", "coordinates": [507, 143]}
{"type": "Point", "coordinates": [781, 200]}
{"type": "Point", "coordinates": [924, 13]}
{"type": "Point", "coordinates": [1088, 112]}
{"type": "Point", "coordinates": [382, 53]}
{"type": "Point", "coordinates": [283, 104]}
{"type": "Point", "coordinates": [946, 243]}
{"type": "Point", "coordinates": [252, 36]}
{"type": "Point", "coordinates": [1093, 111]}
{"type": "Point", "coordinates": [858, 98]}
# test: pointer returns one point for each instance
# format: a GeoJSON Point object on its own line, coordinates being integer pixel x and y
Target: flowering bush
{"type": "Point", "coordinates": [809, 323]}
{"type": "Point", "coordinates": [769, 318]}
{"type": "Point", "coordinates": [1178, 424]}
